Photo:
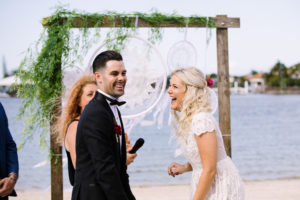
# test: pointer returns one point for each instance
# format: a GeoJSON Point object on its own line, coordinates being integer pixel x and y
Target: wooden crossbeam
{"type": "Point", "coordinates": [108, 22]}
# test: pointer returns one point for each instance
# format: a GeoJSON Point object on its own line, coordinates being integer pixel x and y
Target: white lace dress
{"type": "Point", "coordinates": [227, 184]}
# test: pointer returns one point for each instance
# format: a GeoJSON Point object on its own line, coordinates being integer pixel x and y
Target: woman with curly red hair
{"type": "Point", "coordinates": [80, 94]}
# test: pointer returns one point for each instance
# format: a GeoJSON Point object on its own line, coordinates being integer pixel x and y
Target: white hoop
{"type": "Point", "coordinates": [173, 48]}
{"type": "Point", "coordinates": [97, 51]}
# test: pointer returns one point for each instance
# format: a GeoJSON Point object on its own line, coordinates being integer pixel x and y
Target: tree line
{"type": "Point", "coordinates": [282, 76]}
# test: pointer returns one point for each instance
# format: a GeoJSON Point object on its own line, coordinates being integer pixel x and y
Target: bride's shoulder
{"type": "Point", "coordinates": [203, 122]}
{"type": "Point", "coordinates": [202, 115]}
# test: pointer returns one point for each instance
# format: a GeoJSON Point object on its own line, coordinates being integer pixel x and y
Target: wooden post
{"type": "Point", "coordinates": [56, 168]}
{"type": "Point", "coordinates": [56, 148]}
{"type": "Point", "coordinates": [224, 84]}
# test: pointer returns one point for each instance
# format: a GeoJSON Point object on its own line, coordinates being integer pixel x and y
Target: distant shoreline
{"type": "Point", "coordinates": [288, 90]}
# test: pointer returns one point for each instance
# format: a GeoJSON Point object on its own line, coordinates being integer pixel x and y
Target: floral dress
{"type": "Point", "coordinates": [227, 184]}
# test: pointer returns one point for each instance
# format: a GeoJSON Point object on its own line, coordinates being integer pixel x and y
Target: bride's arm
{"type": "Point", "coordinates": [208, 149]}
{"type": "Point", "coordinates": [176, 169]}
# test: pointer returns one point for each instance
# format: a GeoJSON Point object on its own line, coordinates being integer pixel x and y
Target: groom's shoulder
{"type": "Point", "coordinates": [95, 108]}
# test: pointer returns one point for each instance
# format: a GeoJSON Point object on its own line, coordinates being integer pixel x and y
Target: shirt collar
{"type": "Point", "coordinates": [107, 95]}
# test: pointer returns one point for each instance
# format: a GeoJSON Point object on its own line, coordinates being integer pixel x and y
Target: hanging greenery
{"type": "Point", "coordinates": [41, 74]}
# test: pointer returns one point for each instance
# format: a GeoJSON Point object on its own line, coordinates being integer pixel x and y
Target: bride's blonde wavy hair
{"type": "Point", "coordinates": [196, 98]}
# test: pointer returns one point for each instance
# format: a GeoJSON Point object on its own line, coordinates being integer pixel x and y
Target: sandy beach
{"type": "Point", "coordinates": [278, 189]}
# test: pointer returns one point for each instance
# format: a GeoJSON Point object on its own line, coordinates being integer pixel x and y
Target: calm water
{"type": "Point", "coordinates": [265, 144]}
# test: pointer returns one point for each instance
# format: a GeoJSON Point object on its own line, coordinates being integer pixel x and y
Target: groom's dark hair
{"type": "Point", "coordinates": [101, 60]}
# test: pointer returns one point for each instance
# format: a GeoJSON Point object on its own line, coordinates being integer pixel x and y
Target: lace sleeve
{"type": "Point", "coordinates": [202, 123]}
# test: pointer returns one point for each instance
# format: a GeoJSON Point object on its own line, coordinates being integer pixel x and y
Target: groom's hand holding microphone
{"type": "Point", "coordinates": [130, 157]}
{"type": "Point", "coordinates": [131, 150]}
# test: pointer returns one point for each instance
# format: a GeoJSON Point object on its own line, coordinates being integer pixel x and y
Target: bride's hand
{"type": "Point", "coordinates": [175, 169]}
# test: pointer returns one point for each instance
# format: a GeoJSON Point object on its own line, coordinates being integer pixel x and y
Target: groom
{"type": "Point", "coordinates": [101, 171]}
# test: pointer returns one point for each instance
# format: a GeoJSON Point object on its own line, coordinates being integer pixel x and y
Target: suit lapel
{"type": "Point", "coordinates": [101, 99]}
{"type": "Point", "coordinates": [123, 147]}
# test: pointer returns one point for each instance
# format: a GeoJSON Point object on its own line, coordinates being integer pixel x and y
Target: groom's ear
{"type": "Point", "coordinates": [98, 77]}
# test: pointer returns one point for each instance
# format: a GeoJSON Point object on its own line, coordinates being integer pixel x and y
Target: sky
{"type": "Point", "coordinates": [269, 32]}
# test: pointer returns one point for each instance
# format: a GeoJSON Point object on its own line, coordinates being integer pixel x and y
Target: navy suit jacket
{"type": "Point", "coordinates": [8, 151]}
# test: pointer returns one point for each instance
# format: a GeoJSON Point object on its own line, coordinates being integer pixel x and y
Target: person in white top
{"type": "Point", "coordinates": [214, 176]}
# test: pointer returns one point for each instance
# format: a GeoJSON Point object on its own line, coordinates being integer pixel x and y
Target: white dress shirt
{"type": "Point", "coordinates": [114, 109]}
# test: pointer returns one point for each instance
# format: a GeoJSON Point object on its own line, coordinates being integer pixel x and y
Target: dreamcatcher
{"type": "Point", "coordinates": [146, 79]}
{"type": "Point", "coordinates": [182, 54]}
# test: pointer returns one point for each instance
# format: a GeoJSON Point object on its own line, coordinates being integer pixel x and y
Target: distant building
{"type": "Point", "coordinates": [296, 75]}
{"type": "Point", "coordinates": [7, 82]}
{"type": "Point", "coordinates": [256, 83]}
{"type": "Point", "coordinates": [237, 87]}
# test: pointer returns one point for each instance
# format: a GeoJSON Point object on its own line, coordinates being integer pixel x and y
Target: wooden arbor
{"type": "Point", "coordinates": [222, 23]}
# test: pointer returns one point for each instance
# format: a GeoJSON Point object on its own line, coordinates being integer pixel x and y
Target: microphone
{"type": "Point", "coordinates": [138, 144]}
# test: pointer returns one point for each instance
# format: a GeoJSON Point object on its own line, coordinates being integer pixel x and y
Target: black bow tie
{"type": "Point", "coordinates": [115, 102]}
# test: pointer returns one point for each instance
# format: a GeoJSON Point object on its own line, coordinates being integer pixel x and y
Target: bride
{"type": "Point", "coordinates": [214, 176]}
